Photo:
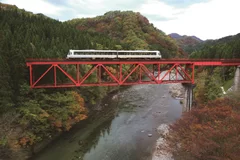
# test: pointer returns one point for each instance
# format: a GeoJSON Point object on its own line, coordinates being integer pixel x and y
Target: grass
{"type": "Point", "coordinates": [228, 84]}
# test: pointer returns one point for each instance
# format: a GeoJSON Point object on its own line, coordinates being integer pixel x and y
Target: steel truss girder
{"type": "Point", "coordinates": [101, 74]}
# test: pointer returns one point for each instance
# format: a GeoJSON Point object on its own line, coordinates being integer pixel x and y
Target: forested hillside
{"type": "Point", "coordinates": [187, 43]}
{"type": "Point", "coordinates": [210, 131]}
{"type": "Point", "coordinates": [28, 116]}
{"type": "Point", "coordinates": [132, 29]}
{"type": "Point", "coordinates": [200, 132]}
{"type": "Point", "coordinates": [210, 79]}
{"type": "Point", "coordinates": [226, 47]}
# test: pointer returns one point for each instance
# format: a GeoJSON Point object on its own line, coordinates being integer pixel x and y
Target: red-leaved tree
{"type": "Point", "coordinates": [210, 132]}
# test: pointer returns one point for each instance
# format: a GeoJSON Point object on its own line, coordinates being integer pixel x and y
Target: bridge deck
{"type": "Point", "coordinates": [196, 62]}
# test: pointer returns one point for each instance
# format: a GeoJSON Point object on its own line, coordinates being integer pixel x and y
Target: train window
{"type": "Point", "coordinates": [114, 52]}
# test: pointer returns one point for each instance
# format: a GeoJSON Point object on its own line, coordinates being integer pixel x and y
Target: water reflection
{"type": "Point", "coordinates": [85, 145]}
{"type": "Point", "coordinates": [120, 132]}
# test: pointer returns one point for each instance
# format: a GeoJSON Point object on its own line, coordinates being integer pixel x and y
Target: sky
{"type": "Point", "coordinates": [206, 19]}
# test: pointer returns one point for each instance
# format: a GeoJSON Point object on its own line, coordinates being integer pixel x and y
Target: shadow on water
{"type": "Point", "coordinates": [91, 142]}
{"type": "Point", "coordinates": [81, 138]}
{"type": "Point", "coordinates": [124, 130]}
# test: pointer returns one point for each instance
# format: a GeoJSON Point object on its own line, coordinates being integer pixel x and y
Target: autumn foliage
{"type": "Point", "coordinates": [210, 132]}
{"type": "Point", "coordinates": [53, 113]}
{"type": "Point", "coordinates": [131, 29]}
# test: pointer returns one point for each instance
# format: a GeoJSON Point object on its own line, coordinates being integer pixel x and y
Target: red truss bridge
{"type": "Point", "coordinates": [49, 73]}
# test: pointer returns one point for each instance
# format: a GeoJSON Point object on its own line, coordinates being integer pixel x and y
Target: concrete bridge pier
{"type": "Point", "coordinates": [188, 98]}
{"type": "Point", "coordinates": [236, 82]}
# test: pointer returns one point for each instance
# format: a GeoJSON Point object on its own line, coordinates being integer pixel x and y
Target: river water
{"type": "Point", "coordinates": [125, 131]}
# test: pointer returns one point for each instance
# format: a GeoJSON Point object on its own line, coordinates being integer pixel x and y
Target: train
{"type": "Point", "coordinates": [113, 54]}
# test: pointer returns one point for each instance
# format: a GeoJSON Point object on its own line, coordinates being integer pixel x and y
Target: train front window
{"type": "Point", "coordinates": [70, 52]}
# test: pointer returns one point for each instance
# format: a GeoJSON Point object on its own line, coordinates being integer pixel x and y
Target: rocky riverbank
{"type": "Point", "coordinates": [177, 91]}
{"type": "Point", "coordinates": [158, 154]}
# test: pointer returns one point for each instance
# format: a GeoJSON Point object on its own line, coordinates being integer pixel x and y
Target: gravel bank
{"type": "Point", "coordinates": [177, 91]}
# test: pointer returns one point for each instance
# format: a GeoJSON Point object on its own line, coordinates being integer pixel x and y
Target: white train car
{"type": "Point", "coordinates": [113, 54]}
{"type": "Point", "coordinates": [93, 54]}
{"type": "Point", "coordinates": [139, 54]}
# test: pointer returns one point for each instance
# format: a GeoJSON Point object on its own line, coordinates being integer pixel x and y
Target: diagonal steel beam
{"type": "Point", "coordinates": [64, 72]}
{"type": "Point", "coordinates": [168, 72]}
{"type": "Point", "coordinates": [110, 74]}
{"type": "Point", "coordinates": [129, 74]}
{"type": "Point", "coordinates": [149, 73]}
{"type": "Point", "coordinates": [88, 74]}
{"type": "Point", "coordinates": [185, 72]}
{"type": "Point", "coordinates": [34, 84]}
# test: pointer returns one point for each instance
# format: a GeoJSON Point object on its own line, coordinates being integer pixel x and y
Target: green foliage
{"type": "Point", "coordinates": [227, 48]}
{"type": "Point", "coordinates": [3, 141]}
{"type": "Point", "coordinates": [25, 35]}
{"type": "Point", "coordinates": [208, 85]}
{"type": "Point", "coordinates": [201, 88]}
{"type": "Point", "coordinates": [214, 83]}
{"type": "Point", "coordinates": [6, 95]}
{"type": "Point", "coordinates": [228, 84]}
{"type": "Point", "coordinates": [40, 113]}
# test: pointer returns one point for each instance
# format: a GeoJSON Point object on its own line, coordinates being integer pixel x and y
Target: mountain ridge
{"type": "Point", "coordinates": [226, 47]}
{"type": "Point", "coordinates": [178, 36]}
{"type": "Point", "coordinates": [187, 43]}
{"type": "Point", "coordinates": [130, 28]}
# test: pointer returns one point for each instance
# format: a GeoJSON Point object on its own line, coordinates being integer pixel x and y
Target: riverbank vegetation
{"type": "Point", "coordinates": [209, 132]}
{"type": "Point", "coordinates": [209, 81]}
{"type": "Point", "coordinates": [29, 116]}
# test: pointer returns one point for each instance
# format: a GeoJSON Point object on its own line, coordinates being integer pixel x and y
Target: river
{"type": "Point", "coordinates": [125, 131]}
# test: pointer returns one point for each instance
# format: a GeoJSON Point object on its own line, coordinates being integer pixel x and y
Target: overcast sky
{"type": "Point", "coordinates": [206, 19]}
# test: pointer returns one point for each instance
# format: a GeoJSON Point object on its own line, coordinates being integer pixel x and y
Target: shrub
{"type": "Point", "coordinates": [210, 132]}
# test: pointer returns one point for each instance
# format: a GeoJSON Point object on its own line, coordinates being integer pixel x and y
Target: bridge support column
{"type": "Point", "coordinates": [236, 83]}
{"type": "Point", "coordinates": [188, 98]}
